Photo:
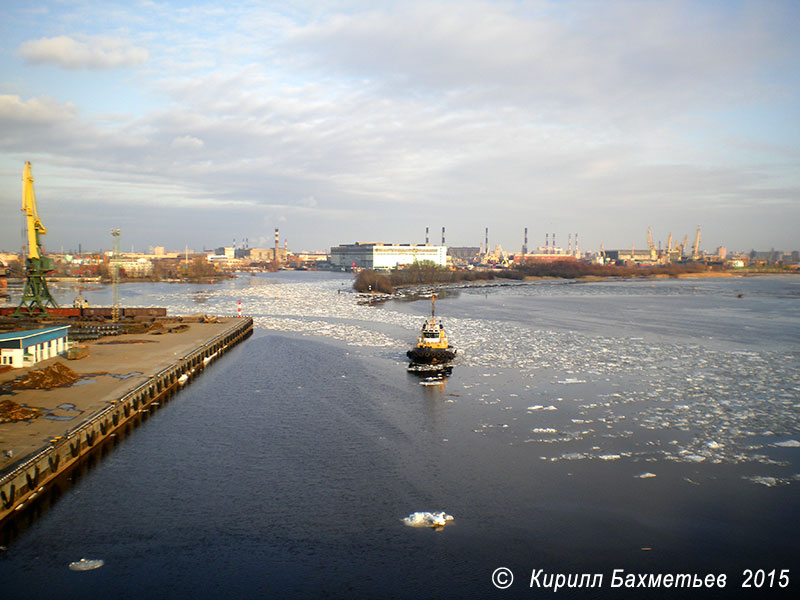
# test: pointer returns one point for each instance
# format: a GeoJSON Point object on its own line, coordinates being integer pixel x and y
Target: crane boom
{"type": "Point", "coordinates": [35, 227]}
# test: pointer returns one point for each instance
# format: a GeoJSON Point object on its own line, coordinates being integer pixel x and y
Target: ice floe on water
{"type": "Point", "coordinates": [788, 444]}
{"type": "Point", "coordinates": [645, 475]}
{"type": "Point", "coordinates": [693, 403]}
{"type": "Point", "coordinates": [764, 480]}
{"type": "Point", "coordinates": [436, 520]}
{"type": "Point", "coordinates": [86, 564]}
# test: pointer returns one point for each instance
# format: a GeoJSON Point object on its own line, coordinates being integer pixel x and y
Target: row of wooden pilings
{"type": "Point", "coordinates": [30, 477]}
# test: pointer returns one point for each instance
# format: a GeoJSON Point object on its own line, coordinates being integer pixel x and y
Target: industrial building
{"type": "Point", "coordinates": [26, 348]}
{"type": "Point", "coordinates": [376, 255]}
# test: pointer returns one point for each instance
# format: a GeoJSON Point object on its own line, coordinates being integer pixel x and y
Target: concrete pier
{"type": "Point", "coordinates": [129, 375]}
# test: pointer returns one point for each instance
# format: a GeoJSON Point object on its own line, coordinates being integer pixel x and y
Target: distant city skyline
{"type": "Point", "coordinates": [192, 124]}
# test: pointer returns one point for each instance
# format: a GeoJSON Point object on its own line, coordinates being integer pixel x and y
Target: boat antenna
{"type": "Point", "coordinates": [433, 299]}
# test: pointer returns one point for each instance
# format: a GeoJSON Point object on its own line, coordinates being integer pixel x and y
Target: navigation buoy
{"type": "Point", "coordinates": [240, 309]}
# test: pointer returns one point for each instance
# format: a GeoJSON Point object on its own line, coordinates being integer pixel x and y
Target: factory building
{"type": "Point", "coordinates": [26, 348]}
{"type": "Point", "coordinates": [376, 255]}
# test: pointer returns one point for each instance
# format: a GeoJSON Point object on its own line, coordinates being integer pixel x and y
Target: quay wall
{"type": "Point", "coordinates": [26, 479]}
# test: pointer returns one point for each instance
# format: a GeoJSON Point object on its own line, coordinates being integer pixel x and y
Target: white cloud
{"type": "Point", "coordinates": [36, 110]}
{"type": "Point", "coordinates": [89, 52]}
{"type": "Point", "coordinates": [187, 142]}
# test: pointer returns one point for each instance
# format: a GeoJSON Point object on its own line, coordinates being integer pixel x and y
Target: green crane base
{"type": "Point", "coordinates": [35, 297]}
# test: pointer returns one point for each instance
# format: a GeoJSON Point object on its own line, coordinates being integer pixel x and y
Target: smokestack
{"type": "Point", "coordinates": [427, 237]}
{"type": "Point", "coordinates": [576, 245]}
{"type": "Point", "coordinates": [547, 243]}
{"type": "Point", "coordinates": [554, 243]}
{"type": "Point", "coordinates": [569, 243]}
{"type": "Point", "coordinates": [277, 242]}
{"type": "Point", "coordinates": [487, 240]}
{"type": "Point", "coordinates": [442, 236]}
{"type": "Point", "coordinates": [525, 244]}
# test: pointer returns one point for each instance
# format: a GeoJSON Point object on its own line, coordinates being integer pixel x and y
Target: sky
{"type": "Point", "coordinates": [200, 125]}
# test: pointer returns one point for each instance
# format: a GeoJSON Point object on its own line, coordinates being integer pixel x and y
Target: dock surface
{"type": "Point", "coordinates": [114, 366]}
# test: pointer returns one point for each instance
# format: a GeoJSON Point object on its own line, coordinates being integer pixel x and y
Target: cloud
{"type": "Point", "coordinates": [583, 115]}
{"type": "Point", "coordinates": [187, 142]}
{"type": "Point", "coordinates": [610, 60]}
{"type": "Point", "coordinates": [36, 110]}
{"type": "Point", "coordinates": [91, 52]}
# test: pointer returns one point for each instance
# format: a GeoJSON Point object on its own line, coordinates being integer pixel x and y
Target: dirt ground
{"type": "Point", "coordinates": [114, 366]}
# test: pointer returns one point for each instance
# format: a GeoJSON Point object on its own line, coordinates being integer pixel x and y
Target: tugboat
{"type": "Point", "coordinates": [432, 345]}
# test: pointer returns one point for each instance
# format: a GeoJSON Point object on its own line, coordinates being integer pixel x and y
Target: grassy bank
{"type": "Point", "coordinates": [428, 274]}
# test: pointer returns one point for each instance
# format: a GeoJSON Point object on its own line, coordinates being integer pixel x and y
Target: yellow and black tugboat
{"type": "Point", "coordinates": [432, 346]}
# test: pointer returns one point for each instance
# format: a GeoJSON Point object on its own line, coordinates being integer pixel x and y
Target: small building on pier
{"type": "Point", "coordinates": [26, 348]}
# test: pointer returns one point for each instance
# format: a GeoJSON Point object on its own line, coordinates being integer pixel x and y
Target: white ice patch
{"type": "Point", "coordinates": [86, 564]}
{"type": "Point", "coordinates": [436, 520]}
{"type": "Point", "coordinates": [609, 457]}
{"type": "Point", "coordinates": [761, 480]}
{"type": "Point", "coordinates": [719, 400]}
{"type": "Point", "coordinates": [646, 475]}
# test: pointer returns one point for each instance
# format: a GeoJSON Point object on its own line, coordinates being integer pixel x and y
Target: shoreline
{"type": "Point", "coordinates": [406, 290]}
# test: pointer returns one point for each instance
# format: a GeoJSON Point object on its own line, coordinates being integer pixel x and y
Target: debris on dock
{"type": "Point", "coordinates": [10, 412]}
{"type": "Point", "coordinates": [77, 352]}
{"type": "Point", "coordinates": [55, 375]}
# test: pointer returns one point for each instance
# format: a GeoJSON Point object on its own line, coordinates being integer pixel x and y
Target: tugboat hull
{"type": "Point", "coordinates": [431, 356]}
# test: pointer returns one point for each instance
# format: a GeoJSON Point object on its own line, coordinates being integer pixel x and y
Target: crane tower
{"type": "Point", "coordinates": [696, 247]}
{"type": "Point", "coordinates": [35, 297]}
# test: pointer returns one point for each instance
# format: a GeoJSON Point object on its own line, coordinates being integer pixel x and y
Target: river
{"type": "Point", "coordinates": [643, 425]}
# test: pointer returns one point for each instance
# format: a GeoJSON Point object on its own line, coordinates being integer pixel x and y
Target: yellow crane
{"type": "Point", "coordinates": [35, 296]}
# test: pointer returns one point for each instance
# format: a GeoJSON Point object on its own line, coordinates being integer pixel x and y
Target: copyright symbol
{"type": "Point", "coordinates": [502, 578]}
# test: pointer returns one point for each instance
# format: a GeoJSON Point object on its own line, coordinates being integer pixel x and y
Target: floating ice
{"type": "Point", "coordinates": [766, 481]}
{"type": "Point", "coordinates": [717, 404]}
{"type": "Point", "coordinates": [609, 457]}
{"type": "Point", "coordinates": [646, 475]}
{"type": "Point", "coordinates": [86, 564]}
{"type": "Point", "coordinates": [437, 520]}
{"type": "Point", "coordinates": [692, 457]}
